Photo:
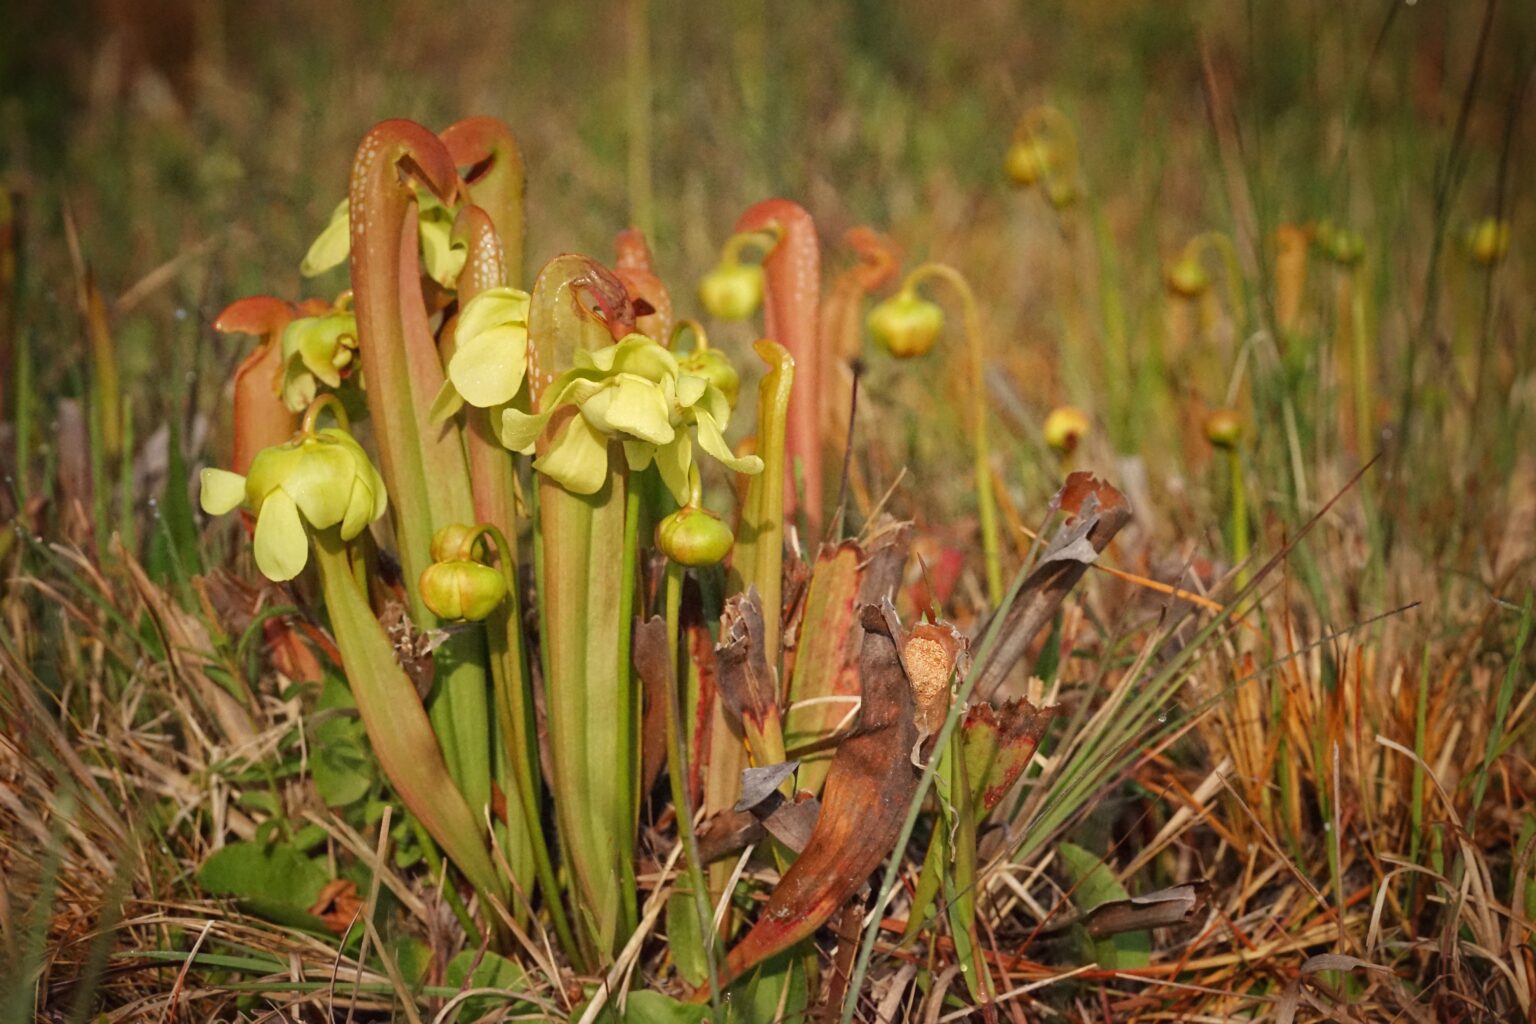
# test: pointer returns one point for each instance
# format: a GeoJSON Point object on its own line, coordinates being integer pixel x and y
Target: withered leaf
{"type": "Point", "coordinates": [1099, 512]}
{"type": "Point", "coordinates": [868, 789]}
{"type": "Point", "coordinates": [999, 744]}
{"type": "Point", "coordinates": [1175, 905]}
{"type": "Point", "coordinates": [649, 653]}
{"type": "Point", "coordinates": [757, 784]}
{"type": "Point", "coordinates": [745, 678]}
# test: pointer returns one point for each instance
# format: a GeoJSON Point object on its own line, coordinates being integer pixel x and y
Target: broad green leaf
{"type": "Point", "coordinates": [1093, 883]}
{"type": "Point", "coordinates": [472, 969]}
{"type": "Point", "coordinates": [275, 873]}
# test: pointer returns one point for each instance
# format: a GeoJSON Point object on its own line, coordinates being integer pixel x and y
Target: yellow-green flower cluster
{"type": "Point", "coordinates": [322, 478]}
{"type": "Point", "coordinates": [316, 350]}
{"type": "Point", "coordinates": [634, 392]}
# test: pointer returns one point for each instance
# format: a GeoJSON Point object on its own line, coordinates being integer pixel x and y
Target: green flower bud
{"type": "Point", "coordinates": [1224, 428]}
{"type": "Point", "coordinates": [1062, 193]}
{"type": "Point", "coordinates": [732, 291]}
{"type": "Point", "coordinates": [694, 536]}
{"type": "Point", "coordinates": [1026, 161]}
{"type": "Point", "coordinates": [710, 364]}
{"type": "Point", "coordinates": [1064, 427]}
{"type": "Point", "coordinates": [1341, 245]}
{"type": "Point", "coordinates": [462, 589]}
{"type": "Point", "coordinates": [1488, 241]}
{"type": "Point", "coordinates": [1186, 277]}
{"type": "Point", "coordinates": [906, 324]}
{"type": "Point", "coordinates": [448, 543]}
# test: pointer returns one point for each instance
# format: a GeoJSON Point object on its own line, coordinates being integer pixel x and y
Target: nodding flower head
{"type": "Point", "coordinates": [1488, 241]}
{"type": "Point", "coordinates": [1065, 426]}
{"type": "Point", "coordinates": [714, 367]}
{"type": "Point", "coordinates": [732, 290]}
{"type": "Point", "coordinates": [321, 479]}
{"type": "Point", "coordinates": [1186, 277]}
{"type": "Point", "coordinates": [318, 350]}
{"type": "Point", "coordinates": [1224, 428]}
{"type": "Point", "coordinates": [1027, 160]}
{"type": "Point", "coordinates": [906, 324]}
{"type": "Point", "coordinates": [694, 536]}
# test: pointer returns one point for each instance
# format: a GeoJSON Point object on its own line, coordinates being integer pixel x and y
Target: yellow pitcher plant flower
{"type": "Point", "coordinates": [321, 478]}
{"type": "Point", "coordinates": [317, 350]}
{"type": "Point", "coordinates": [634, 392]}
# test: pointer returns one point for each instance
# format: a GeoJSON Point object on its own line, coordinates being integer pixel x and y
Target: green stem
{"type": "Point", "coordinates": [986, 501]}
{"type": "Point", "coordinates": [677, 773]}
{"type": "Point", "coordinates": [516, 716]}
{"type": "Point", "coordinates": [1239, 516]}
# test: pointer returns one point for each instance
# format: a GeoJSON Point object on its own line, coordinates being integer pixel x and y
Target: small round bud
{"type": "Point", "coordinates": [1064, 427]}
{"type": "Point", "coordinates": [1187, 277]}
{"type": "Point", "coordinates": [1488, 241]}
{"type": "Point", "coordinates": [1224, 428]}
{"type": "Point", "coordinates": [1025, 162]}
{"type": "Point", "coordinates": [732, 291]}
{"type": "Point", "coordinates": [1062, 193]}
{"type": "Point", "coordinates": [906, 324]}
{"type": "Point", "coordinates": [462, 589]}
{"type": "Point", "coordinates": [1341, 245]}
{"type": "Point", "coordinates": [448, 543]}
{"type": "Point", "coordinates": [694, 536]}
{"type": "Point", "coordinates": [713, 366]}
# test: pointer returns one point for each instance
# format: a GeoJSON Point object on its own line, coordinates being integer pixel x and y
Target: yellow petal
{"type": "Point", "coordinates": [332, 247]}
{"type": "Point", "coordinates": [222, 491]}
{"type": "Point", "coordinates": [281, 546]}
{"type": "Point", "coordinates": [578, 459]}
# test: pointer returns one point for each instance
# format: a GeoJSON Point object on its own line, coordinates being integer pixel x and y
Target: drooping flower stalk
{"type": "Point", "coordinates": [906, 310]}
{"type": "Point", "coordinates": [422, 463]}
{"type": "Point", "coordinates": [791, 311]}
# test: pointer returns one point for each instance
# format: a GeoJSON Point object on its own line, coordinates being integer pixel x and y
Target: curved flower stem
{"type": "Point", "coordinates": [1232, 269]}
{"type": "Point", "coordinates": [762, 239]}
{"type": "Point", "coordinates": [677, 774]}
{"type": "Point", "coordinates": [515, 715]}
{"type": "Point", "coordinates": [986, 501]}
{"type": "Point", "coordinates": [700, 336]}
{"type": "Point", "coordinates": [318, 406]}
